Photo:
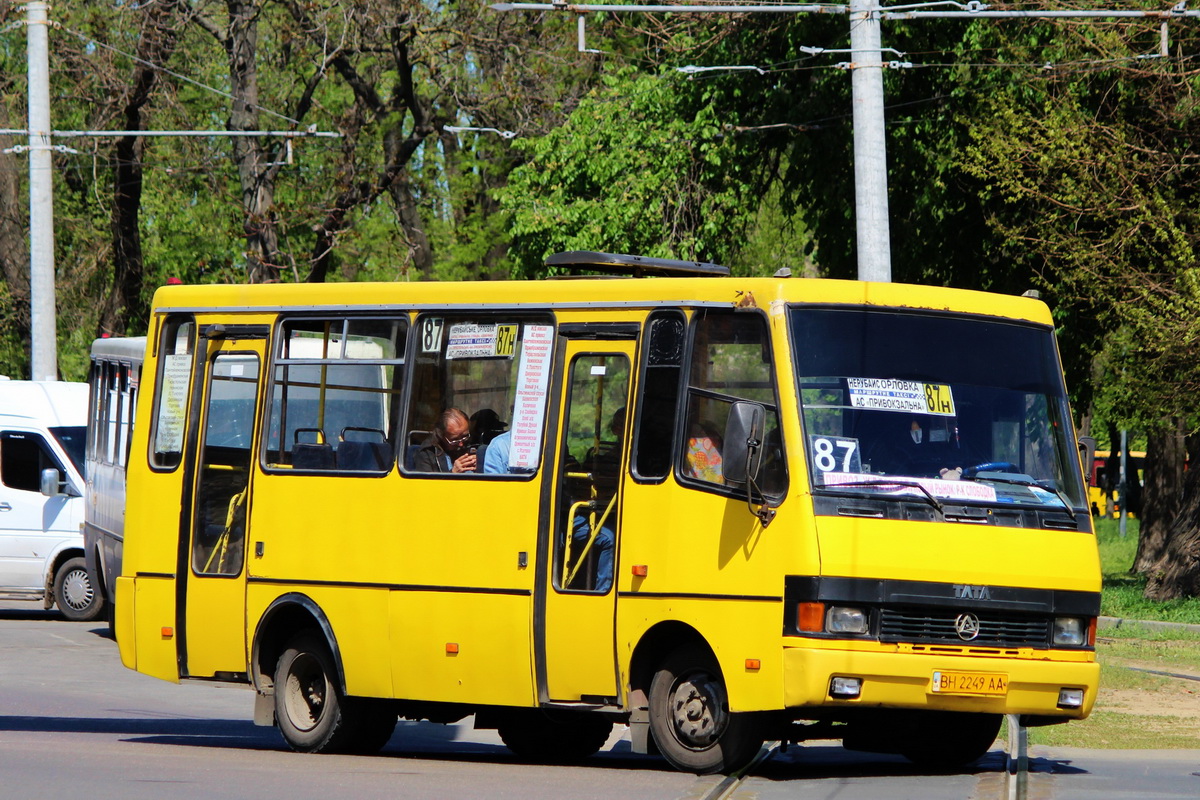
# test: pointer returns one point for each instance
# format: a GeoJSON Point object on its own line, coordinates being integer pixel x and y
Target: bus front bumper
{"type": "Point", "coordinates": [1035, 685]}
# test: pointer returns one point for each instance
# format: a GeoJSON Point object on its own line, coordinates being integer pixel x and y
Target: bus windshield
{"type": "Point", "coordinates": [966, 409]}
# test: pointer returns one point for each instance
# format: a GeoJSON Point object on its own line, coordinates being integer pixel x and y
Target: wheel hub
{"type": "Point", "coordinates": [697, 706]}
{"type": "Point", "coordinates": [304, 694]}
{"type": "Point", "coordinates": [77, 589]}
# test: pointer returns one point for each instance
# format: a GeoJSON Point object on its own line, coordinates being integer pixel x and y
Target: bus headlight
{"type": "Point", "coordinates": [1070, 631]}
{"type": "Point", "coordinates": [844, 619]}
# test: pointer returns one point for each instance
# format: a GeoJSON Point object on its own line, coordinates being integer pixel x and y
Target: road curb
{"type": "Point", "coordinates": [1117, 622]}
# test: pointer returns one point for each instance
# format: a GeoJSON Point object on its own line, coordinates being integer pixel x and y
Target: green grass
{"type": "Point", "coordinates": [1105, 730]}
{"type": "Point", "coordinates": [1168, 655]}
{"type": "Point", "coordinates": [1122, 592]}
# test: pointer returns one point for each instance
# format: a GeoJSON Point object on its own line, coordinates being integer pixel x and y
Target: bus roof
{"type": "Point", "coordinates": [594, 293]}
{"type": "Point", "coordinates": [123, 348]}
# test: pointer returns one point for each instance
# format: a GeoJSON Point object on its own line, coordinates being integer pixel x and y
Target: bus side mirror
{"type": "Point", "coordinates": [743, 442]}
{"type": "Point", "coordinates": [1087, 456]}
{"type": "Point", "coordinates": [742, 456]}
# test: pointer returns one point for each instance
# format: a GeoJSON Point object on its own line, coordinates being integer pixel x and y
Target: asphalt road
{"type": "Point", "coordinates": [75, 723]}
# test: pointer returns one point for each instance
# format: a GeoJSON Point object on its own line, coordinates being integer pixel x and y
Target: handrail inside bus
{"type": "Point", "coordinates": [594, 526]}
{"type": "Point", "coordinates": [222, 544]}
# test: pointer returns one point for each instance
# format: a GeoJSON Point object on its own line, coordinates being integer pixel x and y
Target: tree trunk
{"type": "Point", "coordinates": [1177, 573]}
{"type": "Point", "coordinates": [255, 174]}
{"type": "Point", "coordinates": [14, 243]}
{"type": "Point", "coordinates": [420, 253]}
{"type": "Point", "coordinates": [155, 46]}
{"type": "Point", "coordinates": [1161, 495]}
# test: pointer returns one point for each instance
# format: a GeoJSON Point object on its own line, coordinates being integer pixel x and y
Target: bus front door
{"type": "Point", "coordinates": [577, 647]}
{"type": "Point", "coordinates": [216, 590]}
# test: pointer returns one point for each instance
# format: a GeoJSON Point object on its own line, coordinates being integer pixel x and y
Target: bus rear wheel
{"type": "Point", "coordinates": [308, 704]}
{"type": "Point", "coordinates": [535, 735]}
{"type": "Point", "coordinates": [690, 717]}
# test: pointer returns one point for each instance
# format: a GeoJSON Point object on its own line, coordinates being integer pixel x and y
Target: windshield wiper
{"type": "Point", "coordinates": [926, 495]}
{"type": "Point", "coordinates": [1062, 498]}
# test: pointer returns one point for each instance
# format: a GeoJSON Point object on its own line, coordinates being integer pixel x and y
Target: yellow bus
{"type": "Point", "coordinates": [718, 510]}
{"type": "Point", "coordinates": [1103, 503]}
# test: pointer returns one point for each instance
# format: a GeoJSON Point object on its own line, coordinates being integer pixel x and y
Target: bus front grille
{"type": "Point", "coordinates": [938, 625]}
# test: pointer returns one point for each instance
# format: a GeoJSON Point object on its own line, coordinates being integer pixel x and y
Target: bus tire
{"type": "Point", "coordinates": [309, 706]}
{"type": "Point", "coordinates": [75, 593]}
{"type": "Point", "coordinates": [690, 718]}
{"type": "Point", "coordinates": [536, 735]}
{"type": "Point", "coordinates": [947, 739]}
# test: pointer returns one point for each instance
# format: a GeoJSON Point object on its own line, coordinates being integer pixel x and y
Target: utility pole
{"type": "Point", "coordinates": [872, 231]}
{"type": "Point", "coordinates": [43, 316]}
{"type": "Point", "coordinates": [42, 294]}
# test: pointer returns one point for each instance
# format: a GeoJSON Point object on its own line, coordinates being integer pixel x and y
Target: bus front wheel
{"type": "Point", "coordinates": [690, 717]}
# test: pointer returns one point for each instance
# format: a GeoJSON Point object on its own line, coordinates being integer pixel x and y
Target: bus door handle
{"type": "Point", "coordinates": [5, 506]}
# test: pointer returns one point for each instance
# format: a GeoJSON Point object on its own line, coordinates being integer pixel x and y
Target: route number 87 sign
{"type": "Point", "coordinates": [834, 454]}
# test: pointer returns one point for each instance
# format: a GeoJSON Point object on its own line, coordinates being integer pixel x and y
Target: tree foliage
{"type": "Point", "coordinates": [639, 167]}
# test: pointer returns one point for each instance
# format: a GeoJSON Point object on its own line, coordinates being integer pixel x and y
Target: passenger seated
{"type": "Point", "coordinates": [448, 448]}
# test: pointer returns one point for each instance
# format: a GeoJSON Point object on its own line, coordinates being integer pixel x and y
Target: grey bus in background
{"type": "Point", "coordinates": [114, 379]}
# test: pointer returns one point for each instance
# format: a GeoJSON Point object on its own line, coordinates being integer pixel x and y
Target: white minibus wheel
{"type": "Point", "coordinates": [75, 593]}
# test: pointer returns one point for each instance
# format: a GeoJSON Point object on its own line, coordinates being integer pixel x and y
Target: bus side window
{"type": "Point", "coordinates": [730, 361]}
{"type": "Point", "coordinates": [495, 369]}
{"type": "Point", "coordinates": [176, 351]}
{"type": "Point", "coordinates": [662, 374]}
{"type": "Point", "coordinates": [224, 470]}
{"type": "Point", "coordinates": [335, 392]}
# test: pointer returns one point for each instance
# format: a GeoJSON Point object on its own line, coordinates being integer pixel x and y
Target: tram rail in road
{"type": "Point", "coordinates": [725, 789]}
{"type": "Point", "coordinates": [1015, 785]}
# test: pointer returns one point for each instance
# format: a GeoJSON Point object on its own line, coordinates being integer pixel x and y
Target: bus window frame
{"type": "Point", "coordinates": [168, 323]}
{"type": "Point", "coordinates": [399, 363]}
{"type": "Point", "coordinates": [204, 423]}
{"type": "Point", "coordinates": [642, 368]}
{"type": "Point", "coordinates": [688, 389]}
{"type": "Point", "coordinates": [451, 316]}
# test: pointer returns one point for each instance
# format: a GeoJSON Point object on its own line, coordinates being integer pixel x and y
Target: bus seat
{"type": "Point", "coordinates": [359, 434]}
{"type": "Point", "coordinates": [480, 451]}
{"type": "Point", "coordinates": [410, 455]}
{"type": "Point", "coordinates": [312, 456]}
{"type": "Point", "coordinates": [363, 456]}
{"type": "Point", "coordinates": [416, 440]}
{"type": "Point", "coordinates": [318, 435]}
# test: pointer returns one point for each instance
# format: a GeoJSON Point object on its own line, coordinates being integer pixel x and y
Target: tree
{"type": "Point", "coordinates": [639, 167]}
{"type": "Point", "coordinates": [1096, 179]}
{"type": "Point", "coordinates": [156, 42]}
